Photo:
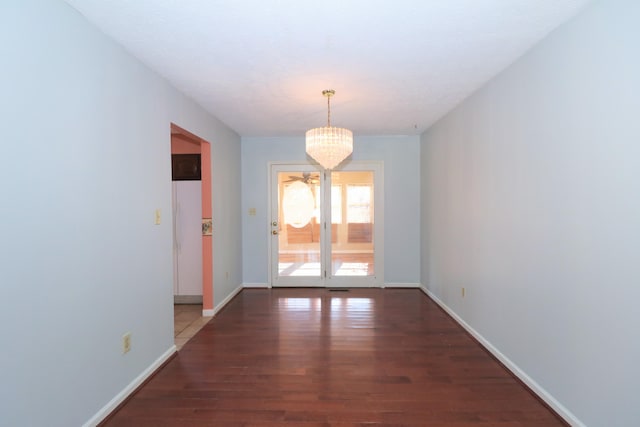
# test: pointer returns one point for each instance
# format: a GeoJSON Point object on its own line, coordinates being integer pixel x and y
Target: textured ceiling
{"type": "Point", "coordinates": [260, 65]}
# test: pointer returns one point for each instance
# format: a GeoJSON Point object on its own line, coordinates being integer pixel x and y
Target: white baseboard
{"type": "Point", "coordinates": [130, 388]}
{"type": "Point", "coordinates": [225, 301]}
{"type": "Point", "coordinates": [255, 285]}
{"type": "Point", "coordinates": [402, 285]}
{"type": "Point", "coordinates": [208, 313]}
{"type": "Point", "coordinates": [567, 415]}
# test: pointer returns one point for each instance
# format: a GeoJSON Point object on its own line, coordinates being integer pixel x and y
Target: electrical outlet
{"type": "Point", "coordinates": [463, 292]}
{"type": "Point", "coordinates": [126, 342]}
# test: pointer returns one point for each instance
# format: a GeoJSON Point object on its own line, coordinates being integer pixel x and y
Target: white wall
{"type": "Point", "coordinates": [531, 201]}
{"type": "Point", "coordinates": [85, 152]}
{"type": "Point", "coordinates": [401, 157]}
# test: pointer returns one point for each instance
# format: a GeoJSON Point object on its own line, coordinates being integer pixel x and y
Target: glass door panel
{"type": "Point", "coordinates": [295, 228]}
{"type": "Point", "coordinates": [352, 223]}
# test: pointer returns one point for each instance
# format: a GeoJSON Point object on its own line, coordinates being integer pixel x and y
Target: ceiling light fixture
{"type": "Point", "coordinates": [329, 145]}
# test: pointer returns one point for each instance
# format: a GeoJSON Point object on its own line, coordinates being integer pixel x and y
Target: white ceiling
{"type": "Point", "coordinates": [260, 65]}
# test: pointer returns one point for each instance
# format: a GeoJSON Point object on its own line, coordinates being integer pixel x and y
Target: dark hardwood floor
{"type": "Point", "coordinates": [315, 357]}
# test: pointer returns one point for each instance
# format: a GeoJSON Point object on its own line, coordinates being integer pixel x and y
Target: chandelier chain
{"type": "Point", "coordinates": [328, 111]}
{"type": "Point", "coordinates": [328, 93]}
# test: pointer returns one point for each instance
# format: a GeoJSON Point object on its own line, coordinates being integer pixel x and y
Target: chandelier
{"type": "Point", "coordinates": [329, 145]}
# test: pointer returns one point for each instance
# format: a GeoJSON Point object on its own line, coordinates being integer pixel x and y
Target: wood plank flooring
{"type": "Point", "coordinates": [316, 358]}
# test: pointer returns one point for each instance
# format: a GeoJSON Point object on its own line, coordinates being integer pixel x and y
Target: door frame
{"type": "Point", "coordinates": [207, 202]}
{"type": "Point", "coordinates": [376, 280]}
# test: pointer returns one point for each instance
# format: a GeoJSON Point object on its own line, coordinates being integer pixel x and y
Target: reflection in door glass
{"type": "Point", "coordinates": [352, 240]}
{"type": "Point", "coordinates": [299, 225]}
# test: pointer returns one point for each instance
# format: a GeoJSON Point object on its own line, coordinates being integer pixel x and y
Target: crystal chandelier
{"type": "Point", "coordinates": [329, 145]}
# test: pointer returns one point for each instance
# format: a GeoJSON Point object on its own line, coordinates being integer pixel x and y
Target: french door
{"type": "Point", "coordinates": [326, 226]}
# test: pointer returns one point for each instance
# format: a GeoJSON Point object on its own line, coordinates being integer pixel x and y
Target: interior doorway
{"type": "Point", "coordinates": [192, 197]}
{"type": "Point", "coordinates": [327, 226]}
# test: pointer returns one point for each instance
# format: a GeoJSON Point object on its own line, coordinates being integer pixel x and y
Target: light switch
{"type": "Point", "coordinates": [158, 217]}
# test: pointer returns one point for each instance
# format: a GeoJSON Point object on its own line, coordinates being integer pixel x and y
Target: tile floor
{"type": "Point", "coordinates": [187, 321]}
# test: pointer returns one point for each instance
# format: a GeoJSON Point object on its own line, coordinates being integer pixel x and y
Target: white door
{"type": "Point", "coordinates": [326, 226]}
{"type": "Point", "coordinates": [187, 238]}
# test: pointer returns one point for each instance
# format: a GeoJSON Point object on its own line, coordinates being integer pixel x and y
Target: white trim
{"type": "Point", "coordinates": [130, 388]}
{"type": "Point", "coordinates": [341, 251]}
{"type": "Point", "coordinates": [256, 285]}
{"type": "Point", "coordinates": [515, 369]}
{"type": "Point", "coordinates": [225, 301]}
{"type": "Point", "coordinates": [402, 285]}
{"type": "Point", "coordinates": [208, 313]}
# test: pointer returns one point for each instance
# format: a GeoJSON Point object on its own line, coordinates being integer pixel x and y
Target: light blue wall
{"type": "Point", "coordinates": [85, 152]}
{"type": "Point", "coordinates": [401, 157]}
{"type": "Point", "coordinates": [531, 201]}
